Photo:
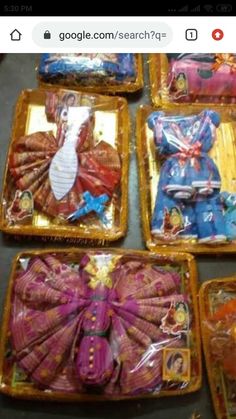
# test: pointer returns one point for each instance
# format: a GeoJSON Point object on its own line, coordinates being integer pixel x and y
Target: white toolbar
{"type": "Point", "coordinates": [117, 34]}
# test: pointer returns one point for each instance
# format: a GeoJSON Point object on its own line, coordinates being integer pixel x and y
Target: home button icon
{"type": "Point", "coordinates": [15, 35]}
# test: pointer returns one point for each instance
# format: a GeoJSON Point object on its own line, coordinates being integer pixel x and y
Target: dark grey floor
{"type": "Point", "coordinates": [17, 72]}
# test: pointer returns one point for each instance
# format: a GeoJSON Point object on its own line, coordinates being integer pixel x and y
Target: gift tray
{"type": "Point", "coordinates": [217, 312]}
{"type": "Point", "coordinates": [94, 172]}
{"type": "Point", "coordinates": [221, 157]}
{"type": "Point", "coordinates": [101, 324]}
{"type": "Point", "coordinates": [101, 73]}
{"type": "Point", "coordinates": [193, 78]}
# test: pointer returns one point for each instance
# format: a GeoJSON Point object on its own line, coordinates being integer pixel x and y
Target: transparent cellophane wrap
{"type": "Point", "coordinates": [192, 78]}
{"type": "Point", "coordinates": [110, 127]}
{"type": "Point", "coordinates": [100, 324]}
{"type": "Point", "coordinates": [223, 154]}
{"type": "Point", "coordinates": [218, 321]}
{"type": "Point", "coordinates": [93, 81]}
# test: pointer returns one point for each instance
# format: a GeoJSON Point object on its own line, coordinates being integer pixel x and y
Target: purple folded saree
{"type": "Point", "coordinates": [96, 325]}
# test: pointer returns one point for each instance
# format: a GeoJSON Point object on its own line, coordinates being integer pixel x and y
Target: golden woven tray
{"type": "Point", "coordinates": [111, 125]}
{"type": "Point", "coordinates": [126, 87]}
{"type": "Point", "coordinates": [185, 264]}
{"type": "Point", "coordinates": [209, 296]}
{"type": "Point", "coordinates": [160, 95]}
{"type": "Point", "coordinates": [223, 153]}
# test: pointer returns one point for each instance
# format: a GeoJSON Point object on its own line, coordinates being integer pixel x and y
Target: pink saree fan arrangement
{"type": "Point", "coordinates": [100, 325]}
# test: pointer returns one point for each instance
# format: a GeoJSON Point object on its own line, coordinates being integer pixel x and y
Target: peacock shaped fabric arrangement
{"type": "Point", "coordinates": [67, 175]}
{"type": "Point", "coordinates": [101, 324]}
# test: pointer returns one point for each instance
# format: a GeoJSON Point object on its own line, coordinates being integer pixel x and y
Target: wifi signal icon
{"type": "Point", "coordinates": [209, 8]}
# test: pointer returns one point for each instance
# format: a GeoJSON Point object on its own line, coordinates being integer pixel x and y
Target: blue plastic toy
{"type": "Point", "coordinates": [91, 204]}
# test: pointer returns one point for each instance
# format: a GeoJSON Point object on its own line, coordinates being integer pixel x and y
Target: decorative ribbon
{"type": "Point", "coordinates": [100, 269]}
{"type": "Point", "coordinates": [193, 154]}
{"type": "Point", "coordinates": [224, 59]}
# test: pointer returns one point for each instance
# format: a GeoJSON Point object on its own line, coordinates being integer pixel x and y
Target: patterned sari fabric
{"type": "Point", "coordinates": [222, 334]}
{"type": "Point", "coordinates": [204, 77]}
{"type": "Point", "coordinates": [96, 325]}
{"type": "Point", "coordinates": [57, 170]}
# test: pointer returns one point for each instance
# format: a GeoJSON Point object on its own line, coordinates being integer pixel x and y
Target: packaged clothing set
{"type": "Point", "coordinates": [186, 153]}
{"type": "Point", "coordinates": [100, 324]}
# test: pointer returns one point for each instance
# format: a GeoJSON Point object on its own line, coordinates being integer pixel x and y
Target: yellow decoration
{"type": "Point", "coordinates": [101, 275]}
{"type": "Point", "coordinates": [181, 83]}
{"type": "Point", "coordinates": [224, 59]}
{"type": "Point", "coordinates": [180, 316]}
{"type": "Point", "coordinates": [175, 218]}
{"type": "Point", "coordinates": [25, 204]}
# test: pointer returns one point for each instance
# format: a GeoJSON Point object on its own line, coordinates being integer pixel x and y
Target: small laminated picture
{"type": "Point", "coordinates": [176, 364]}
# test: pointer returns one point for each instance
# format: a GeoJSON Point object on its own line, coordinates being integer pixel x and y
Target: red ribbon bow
{"type": "Point", "coordinates": [193, 153]}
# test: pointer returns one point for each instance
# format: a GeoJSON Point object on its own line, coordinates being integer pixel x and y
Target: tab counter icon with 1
{"type": "Point", "coordinates": [47, 35]}
{"type": "Point", "coordinates": [191, 34]}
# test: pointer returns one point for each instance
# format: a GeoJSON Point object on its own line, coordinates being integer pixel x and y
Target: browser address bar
{"type": "Point", "coordinates": [102, 34]}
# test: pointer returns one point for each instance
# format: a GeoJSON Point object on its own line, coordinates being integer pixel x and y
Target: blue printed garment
{"type": "Point", "coordinates": [87, 68]}
{"type": "Point", "coordinates": [202, 220]}
{"type": "Point", "coordinates": [210, 220]}
{"type": "Point", "coordinates": [188, 203]}
{"type": "Point", "coordinates": [172, 219]}
{"type": "Point", "coordinates": [185, 141]}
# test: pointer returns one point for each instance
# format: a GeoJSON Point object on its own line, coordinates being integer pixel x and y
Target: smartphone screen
{"type": "Point", "coordinates": [117, 132]}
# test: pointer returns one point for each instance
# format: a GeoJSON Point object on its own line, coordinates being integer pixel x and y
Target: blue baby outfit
{"type": "Point", "coordinates": [229, 202]}
{"type": "Point", "coordinates": [188, 202]}
{"type": "Point", "coordinates": [189, 170]}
